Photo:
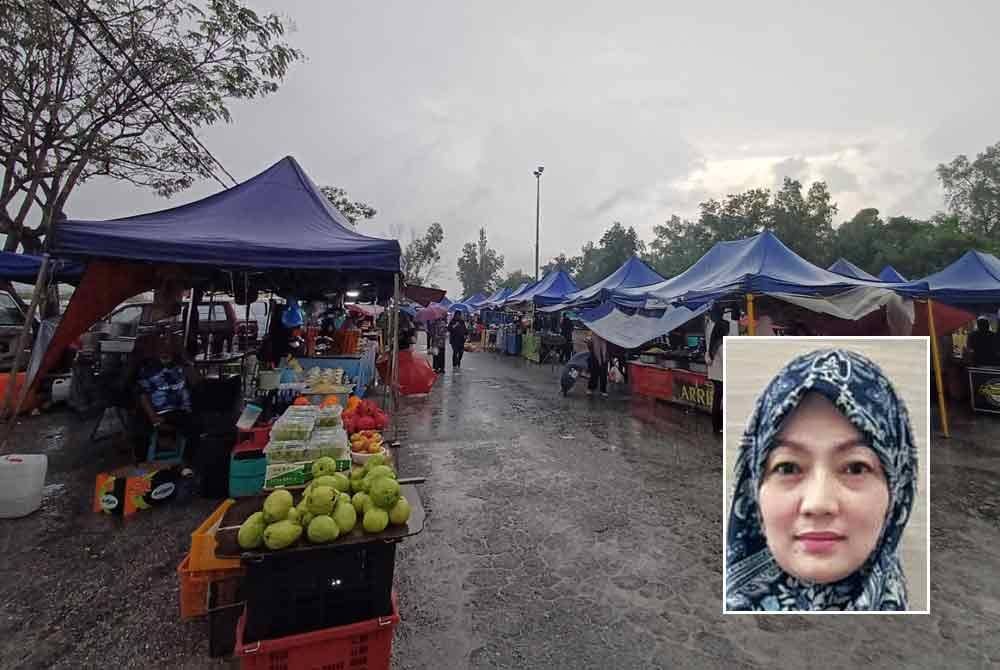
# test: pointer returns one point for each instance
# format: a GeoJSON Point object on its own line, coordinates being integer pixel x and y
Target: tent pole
{"type": "Point", "coordinates": [187, 326]}
{"type": "Point", "coordinates": [41, 288]}
{"type": "Point", "coordinates": [394, 370]}
{"type": "Point", "coordinates": [936, 353]}
{"type": "Point", "coordinates": [751, 316]}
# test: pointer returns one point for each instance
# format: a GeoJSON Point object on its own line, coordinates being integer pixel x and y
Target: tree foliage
{"type": "Point", "coordinates": [422, 255]}
{"type": "Point", "coordinates": [561, 262]}
{"type": "Point", "coordinates": [109, 86]}
{"type": "Point", "coordinates": [352, 209]}
{"type": "Point", "coordinates": [479, 266]}
{"type": "Point", "coordinates": [972, 189]}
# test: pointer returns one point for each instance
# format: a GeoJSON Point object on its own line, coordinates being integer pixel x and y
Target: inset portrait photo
{"type": "Point", "coordinates": [826, 474]}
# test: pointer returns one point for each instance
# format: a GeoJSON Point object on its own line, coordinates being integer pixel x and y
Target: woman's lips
{"type": "Point", "coordinates": [819, 543]}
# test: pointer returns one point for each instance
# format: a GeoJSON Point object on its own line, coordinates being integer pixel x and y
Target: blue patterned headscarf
{"type": "Point", "coordinates": [863, 394]}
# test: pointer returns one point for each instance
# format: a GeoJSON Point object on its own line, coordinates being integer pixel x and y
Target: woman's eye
{"type": "Point", "coordinates": [858, 468]}
{"type": "Point", "coordinates": [785, 468]}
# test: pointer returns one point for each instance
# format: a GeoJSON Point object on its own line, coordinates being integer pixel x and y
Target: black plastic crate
{"type": "Point", "coordinates": [305, 591]}
{"type": "Point", "coordinates": [225, 605]}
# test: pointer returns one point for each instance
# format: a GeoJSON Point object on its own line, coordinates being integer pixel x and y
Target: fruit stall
{"type": "Point", "coordinates": [295, 569]}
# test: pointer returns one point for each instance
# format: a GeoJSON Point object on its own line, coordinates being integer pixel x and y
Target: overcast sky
{"type": "Point", "coordinates": [439, 111]}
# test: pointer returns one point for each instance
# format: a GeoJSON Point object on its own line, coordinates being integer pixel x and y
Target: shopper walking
{"type": "Point", "coordinates": [458, 332]}
{"type": "Point", "coordinates": [598, 348]}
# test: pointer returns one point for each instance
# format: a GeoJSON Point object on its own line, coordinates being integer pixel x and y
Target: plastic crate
{"type": "Point", "coordinates": [203, 543]}
{"type": "Point", "coordinates": [194, 587]}
{"type": "Point", "coordinates": [225, 606]}
{"type": "Point", "coordinates": [366, 645]}
{"type": "Point", "coordinates": [288, 594]}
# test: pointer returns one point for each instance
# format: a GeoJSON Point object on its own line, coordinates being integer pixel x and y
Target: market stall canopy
{"type": "Point", "coordinates": [759, 264]}
{"type": "Point", "coordinates": [278, 219]}
{"type": "Point", "coordinates": [444, 302]}
{"type": "Point", "coordinates": [632, 330]}
{"type": "Point", "coordinates": [889, 273]}
{"type": "Point", "coordinates": [974, 279]}
{"type": "Point", "coordinates": [24, 268]}
{"type": "Point", "coordinates": [550, 290]}
{"type": "Point", "coordinates": [475, 301]}
{"type": "Point", "coordinates": [498, 298]}
{"type": "Point", "coordinates": [633, 273]}
{"type": "Point", "coordinates": [842, 266]}
{"type": "Point", "coordinates": [516, 294]}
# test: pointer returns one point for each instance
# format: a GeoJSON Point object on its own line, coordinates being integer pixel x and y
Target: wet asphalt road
{"type": "Point", "coordinates": [561, 533]}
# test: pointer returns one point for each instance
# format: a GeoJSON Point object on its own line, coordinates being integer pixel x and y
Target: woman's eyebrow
{"type": "Point", "coordinates": [801, 446]}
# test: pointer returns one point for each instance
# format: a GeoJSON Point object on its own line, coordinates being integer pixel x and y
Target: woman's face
{"type": "Point", "coordinates": [823, 496]}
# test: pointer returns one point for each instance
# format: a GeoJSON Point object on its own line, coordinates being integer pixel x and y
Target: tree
{"type": "Point", "coordinates": [116, 88]}
{"type": "Point", "coordinates": [677, 245]}
{"type": "Point", "coordinates": [561, 262]}
{"type": "Point", "coordinates": [972, 190]}
{"type": "Point", "coordinates": [596, 262]}
{"type": "Point", "coordinates": [515, 279]}
{"type": "Point", "coordinates": [805, 224]}
{"type": "Point", "coordinates": [421, 256]}
{"type": "Point", "coordinates": [479, 266]}
{"type": "Point", "coordinates": [351, 209]}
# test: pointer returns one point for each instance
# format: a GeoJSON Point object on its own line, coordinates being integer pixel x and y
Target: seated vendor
{"type": "Point", "coordinates": [165, 384]}
{"type": "Point", "coordinates": [981, 348]}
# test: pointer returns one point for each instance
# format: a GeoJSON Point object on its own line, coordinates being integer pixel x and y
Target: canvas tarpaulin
{"type": "Point", "coordinates": [630, 331]}
{"type": "Point", "coordinates": [842, 266]}
{"type": "Point", "coordinates": [24, 268]}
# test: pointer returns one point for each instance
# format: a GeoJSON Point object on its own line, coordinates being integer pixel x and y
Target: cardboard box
{"type": "Point", "coordinates": [127, 490]}
{"type": "Point", "coordinates": [287, 474]}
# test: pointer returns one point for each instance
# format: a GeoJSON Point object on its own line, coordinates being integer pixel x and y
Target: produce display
{"type": "Point", "coordinates": [326, 510]}
{"type": "Point", "coordinates": [367, 442]}
{"type": "Point", "coordinates": [324, 381]}
{"type": "Point", "coordinates": [362, 415]}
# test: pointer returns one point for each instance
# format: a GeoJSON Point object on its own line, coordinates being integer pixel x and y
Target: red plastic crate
{"type": "Point", "coordinates": [366, 645]}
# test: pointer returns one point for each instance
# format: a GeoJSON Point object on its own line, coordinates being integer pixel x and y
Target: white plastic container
{"type": "Point", "coordinates": [22, 477]}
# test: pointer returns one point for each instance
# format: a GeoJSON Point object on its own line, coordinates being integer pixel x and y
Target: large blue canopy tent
{"type": "Point", "coordinates": [515, 295]}
{"type": "Point", "coordinates": [633, 273]}
{"type": "Point", "coordinates": [277, 224]}
{"type": "Point", "coordinates": [890, 274]}
{"type": "Point", "coordinates": [842, 266]}
{"type": "Point", "coordinates": [24, 268]}
{"type": "Point", "coordinates": [974, 280]}
{"type": "Point", "coordinates": [550, 290]}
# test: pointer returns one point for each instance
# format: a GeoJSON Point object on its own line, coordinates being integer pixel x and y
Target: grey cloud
{"type": "Point", "coordinates": [839, 178]}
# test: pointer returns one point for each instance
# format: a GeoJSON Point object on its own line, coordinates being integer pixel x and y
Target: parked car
{"type": "Point", "coordinates": [216, 321]}
{"type": "Point", "coordinates": [12, 313]}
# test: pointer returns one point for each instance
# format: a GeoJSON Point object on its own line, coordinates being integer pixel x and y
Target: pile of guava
{"type": "Point", "coordinates": [327, 510]}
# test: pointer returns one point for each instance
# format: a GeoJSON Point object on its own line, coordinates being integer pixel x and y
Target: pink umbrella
{"type": "Point", "coordinates": [432, 312]}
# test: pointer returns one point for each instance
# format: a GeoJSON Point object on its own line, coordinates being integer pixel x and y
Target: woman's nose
{"type": "Point", "coordinates": [819, 495]}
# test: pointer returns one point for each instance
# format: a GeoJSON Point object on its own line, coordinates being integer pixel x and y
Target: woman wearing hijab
{"type": "Point", "coordinates": [825, 482]}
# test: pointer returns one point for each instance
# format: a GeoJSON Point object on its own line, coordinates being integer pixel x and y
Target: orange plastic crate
{"type": "Point", "coordinates": [194, 585]}
{"type": "Point", "coordinates": [203, 543]}
{"type": "Point", "coordinates": [366, 645]}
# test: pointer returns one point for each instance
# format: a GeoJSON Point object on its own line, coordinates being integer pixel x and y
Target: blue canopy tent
{"type": "Point", "coordinates": [974, 280]}
{"type": "Point", "coordinates": [497, 298]}
{"type": "Point", "coordinates": [842, 266]}
{"type": "Point", "coordinates": [445, 302]}
{"type": "Point", "coordinates": [633, 273]}
{"type": "Point", "coordinates": [515, 295]}
{"type": "Point", "coordinates": [550, 290]}
{"type": "Point", "coordinates": [890, 274]}
{"type": "Point", "coordinates": [24, 268]}
{"type": "Point", "coordinates": [759, 264]}
{"type": "Point", "coordinates": [277, 223]}
{"type": "Point", "coordinates": [476, 301]}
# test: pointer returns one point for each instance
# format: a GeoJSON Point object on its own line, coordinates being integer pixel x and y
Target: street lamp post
{"type": "Point", "coordinates": [538, 200]}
